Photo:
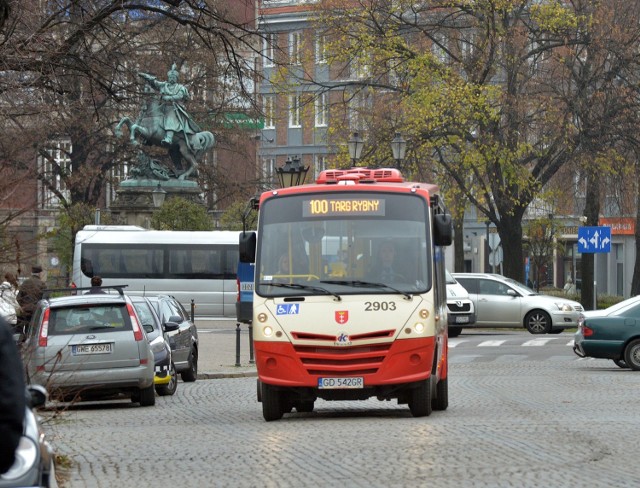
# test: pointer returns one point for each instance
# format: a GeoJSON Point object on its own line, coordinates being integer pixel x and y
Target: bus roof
{"type": "Point", "coordinates": [98, 234]}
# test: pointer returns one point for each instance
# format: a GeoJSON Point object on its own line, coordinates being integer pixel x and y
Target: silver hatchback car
{"type": "Point", "coordinates": [503, 302]}
{"type": "Point", "coordinates": [90, 346]}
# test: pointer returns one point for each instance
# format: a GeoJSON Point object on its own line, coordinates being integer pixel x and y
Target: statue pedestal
{"type": "Point", "coordinates": [133, 204]}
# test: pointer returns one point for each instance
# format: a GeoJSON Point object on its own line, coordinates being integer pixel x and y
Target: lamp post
{"type": "Point", "coordinates": [399, 148]}
{"type": "Point", "coordinates": [356, 143]}
{"type": "Point", "coordinates": [158, 196]}
{"type": "Point", "coordinates": [293, 173]}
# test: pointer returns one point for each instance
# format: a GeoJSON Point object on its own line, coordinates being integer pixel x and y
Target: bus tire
{"type": "Point", "coordinates": [420, 399]}
{"type": "Point", "coordinates": [272, 403]}
{"type": "Point", "coordinates": [455, 331]}
{"type": "Point", "coordinates": [304, 406]}
{"type": "Point", "coordinates": [191, 374]}
{"type": "Point", "coordinates": [441, 400]}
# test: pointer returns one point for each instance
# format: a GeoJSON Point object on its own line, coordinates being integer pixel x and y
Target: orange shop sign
{"type": "Point", "coordinates": [620, 225]}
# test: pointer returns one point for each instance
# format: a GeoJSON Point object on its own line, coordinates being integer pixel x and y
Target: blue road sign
{"type": "Point", "coordinates": [594, 239]}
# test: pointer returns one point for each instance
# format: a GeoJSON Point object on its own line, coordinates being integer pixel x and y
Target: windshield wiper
{"type": "Point", "coordinates": [297, 286]}
{"type": "Point", "coordinates": [370, 284]}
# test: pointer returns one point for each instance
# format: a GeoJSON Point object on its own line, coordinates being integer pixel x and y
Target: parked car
{"type": "Point", "coordinates": [90, 346]}
{"type": "Point", "coordinates": [184, 340]}
{"type": "Point", "coordinates": [461, 311]}
{"type": "Point", "coordinates": [612, 333]}
{"type": "Point", "coordinates": [33, 465]}
{"type": "Point", "coordinates": [503, 302]}
{"type": "Point", "coordinates": [165, 379]}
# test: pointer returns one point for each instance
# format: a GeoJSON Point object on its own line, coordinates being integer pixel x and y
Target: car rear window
{"type": "Point", "coordinates": [94, 319]}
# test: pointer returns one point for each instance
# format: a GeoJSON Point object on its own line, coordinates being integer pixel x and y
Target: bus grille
{"type": "Point", "coordinates": [342, 360]}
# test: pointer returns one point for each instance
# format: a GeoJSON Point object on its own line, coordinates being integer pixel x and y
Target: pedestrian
{"type": "Point", "coordinates": [12, 397]}
{"type": "Point", "coordinates": [30, 293]}
{"type": "Point", "coordinates": [570, 287]}
{"type": "Point", "coordinates": [96, 286]}
{"type": "Point", "coordinates": [9, 307]}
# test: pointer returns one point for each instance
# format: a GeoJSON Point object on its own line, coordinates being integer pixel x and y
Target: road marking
{"type": "Point", "coordinates": [571, 342]}
{"type": "Point", "coordinates": [491, 343]}
{"type": "Point", "coordinates": [455, 342]}
{"type": "Point", "coordinates": [537, 342]}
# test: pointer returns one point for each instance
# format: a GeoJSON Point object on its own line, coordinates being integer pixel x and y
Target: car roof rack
{"type": "Point", "coordinates": [74, 290]}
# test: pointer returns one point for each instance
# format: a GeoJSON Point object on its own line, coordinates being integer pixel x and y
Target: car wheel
{"type": "Point", "coordinates": [621, 364]}
{"type": "Point", "coordinates": [272, 403]}
{"type": "Point", "coordinates": [441, 401]}
{"type": "Point", "coordinates": [305, 406]}
{"type": "Point", "coordinates": [455, 331]}
{"type": "Point", "coordinates": [171, 387]}
{"type": "Point", "coordinates": [632, 355]}
{"type": "Point", "coordinates": [147, 396]}
{"type": "Point", "coordinates": [538, 322]}
{"type": "Point", "coordinates": [420, 399]}
{"type": "Point", "coordinates": [191, 374]}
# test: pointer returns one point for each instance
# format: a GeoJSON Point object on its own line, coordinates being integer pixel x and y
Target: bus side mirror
{"type": "Point", "coordinates": [247, 247]}
{"type": "Point", "coordinates": [442, 229]}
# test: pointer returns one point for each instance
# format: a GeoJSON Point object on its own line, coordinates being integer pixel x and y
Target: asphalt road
{"type": "Point", "coordinates": [521, 414]}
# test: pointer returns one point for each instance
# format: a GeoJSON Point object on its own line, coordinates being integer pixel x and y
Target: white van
{"type": "Point", "coordinates": [461, 311]}
{"type": "Point", "coordinates": [190, 265]}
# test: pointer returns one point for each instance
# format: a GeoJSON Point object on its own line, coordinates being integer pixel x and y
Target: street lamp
{"type": "Point", "coordinates": [399, 148]}
{"type": "Point", "coordinates": [356, 143]}
{"type": "Point", "coordinates": [158, 196]}
{"type": "Point", "coordinates": [293, 173]}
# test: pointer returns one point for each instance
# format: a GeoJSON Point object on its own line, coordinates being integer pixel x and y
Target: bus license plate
{"type": "Point", "coordinates": [341, 383]}
{"type": "Point", "coordinates": [105, 348]}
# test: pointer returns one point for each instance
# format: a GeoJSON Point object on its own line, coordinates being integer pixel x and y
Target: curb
{"type": "Point", "coordinates": [227, 374]}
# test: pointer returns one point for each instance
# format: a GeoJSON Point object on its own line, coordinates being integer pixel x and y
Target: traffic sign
{"type": "Point", "coordinates": [594, 239]}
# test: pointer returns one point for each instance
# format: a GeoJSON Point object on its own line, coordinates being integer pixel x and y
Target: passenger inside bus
{"type": "Point", "coordinates": [385, 269]}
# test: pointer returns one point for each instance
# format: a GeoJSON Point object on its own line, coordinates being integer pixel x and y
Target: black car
{"type": "Point", "coordinates": [184, 340]}
{"type": "Point", "coordinates": [33, 465]}
{"type": "Point", "coordinates": [165, 378]}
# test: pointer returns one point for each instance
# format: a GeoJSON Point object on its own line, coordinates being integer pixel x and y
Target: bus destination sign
{"type": "Point", "coordinates": [328, 207]}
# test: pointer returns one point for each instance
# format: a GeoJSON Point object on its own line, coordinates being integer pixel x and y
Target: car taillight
{"type": "Point", "coordinates": [238, 289]}
{"type": "Point", "coordinates": [137, 330]}
{"type": "Point", "coordinates": [44, 329]}
{"type": "Point", "coordinates": [586, 331]}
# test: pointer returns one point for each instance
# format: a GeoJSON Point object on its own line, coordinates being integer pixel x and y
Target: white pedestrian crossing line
{"type": "Point", "coordinates": [538, 342]}
{"type": "Point", "coordinates": [541, 341]}
{"type": "Point", "coordinates": [491, 343]}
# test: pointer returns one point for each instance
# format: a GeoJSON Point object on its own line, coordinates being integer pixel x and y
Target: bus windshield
{"type": "Point", "coordinates": [344, 243]}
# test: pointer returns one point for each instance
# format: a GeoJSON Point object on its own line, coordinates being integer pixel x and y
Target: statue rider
{"type": "Point", "coordinates": [173, 94]}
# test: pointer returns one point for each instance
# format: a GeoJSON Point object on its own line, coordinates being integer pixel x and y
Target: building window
{"type": "Point", "coordinates": [322, 109]}
{"type": "Point", "coordinates": [294, 111]}
{"type": "Point", "coordinates": [320, 165]}
{"type": "Point", "coordinates": [295, 47]}
{"type": "Point", "coordinates": [439, 47]}
{"type": "Point", "coordinates": [269, 172]}
{"type": "Point", "coordinates": [269, 107]}
{"type": "Point", "coordinates": [321, 49]}
{"type": "Point", "coordinates": [57, 163]}
{"type": "Point", "coordinates": [269, 49]}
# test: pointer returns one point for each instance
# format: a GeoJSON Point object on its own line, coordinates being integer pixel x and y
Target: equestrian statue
{"type": "Point", "coordinates": [164, 122]}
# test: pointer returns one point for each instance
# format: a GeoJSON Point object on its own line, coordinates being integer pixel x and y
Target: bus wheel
{"type": "Point", "coordinates": [454, 331]}
{"type": "Point", "coordinates": [304, 406]}
{"type": "Point", "coordinates": [420, 399]}
{"type": "Point", "coordinates": [441, 401]}
{"type": "Point", "coordinates": [272, 405]}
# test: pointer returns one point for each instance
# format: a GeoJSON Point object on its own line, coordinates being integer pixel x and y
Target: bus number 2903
{"type": "Point", "coordinates": [379, 306]}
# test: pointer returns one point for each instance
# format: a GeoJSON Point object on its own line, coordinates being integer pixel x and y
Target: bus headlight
{"type": "Point", "coordinates": [419, 327]}
{"type": "Point", "coordinates": [267, 331]}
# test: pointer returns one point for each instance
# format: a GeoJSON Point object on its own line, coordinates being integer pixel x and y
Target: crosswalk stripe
{"type": "Point", "coordinates": [491, 343]}
{"type": "Point", "coordinates": [537, 342]}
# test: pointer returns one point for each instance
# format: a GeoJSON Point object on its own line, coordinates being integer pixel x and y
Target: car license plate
{"type": "Point", "coordinates": [462, 320]}
{"type": "Point", "coordinates": [104, 348]}
{"type": "Point", "coordinates": [341, 383]}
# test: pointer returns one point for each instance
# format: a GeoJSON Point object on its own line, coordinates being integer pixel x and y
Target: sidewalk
{"type": "Point", "coordinates": [218, 350]}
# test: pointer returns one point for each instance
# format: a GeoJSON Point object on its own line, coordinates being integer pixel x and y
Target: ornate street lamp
{"type": "Point", "coordinates": [293, 173]}
{"type": "Point", "coordinates": [356, 143]}
{"type": "Point", "coordinates": [399, 148]}
{"type": "Point", "coordinates": [158, 196]}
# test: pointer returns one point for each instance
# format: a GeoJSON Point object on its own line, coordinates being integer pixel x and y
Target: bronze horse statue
{"type": "Point", "coordinates": [187, 146]}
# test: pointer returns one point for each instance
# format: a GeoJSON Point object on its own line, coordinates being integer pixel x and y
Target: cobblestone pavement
{"type": "Point", "coordinates": [545, 421]}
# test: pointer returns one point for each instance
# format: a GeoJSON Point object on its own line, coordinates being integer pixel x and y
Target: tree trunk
{"type": "Point", "coordinates": [510, 230]}
{"type": "Point", "coordinates": [458, 265]}
{"type": "Point", "coordinates": [592, 212]}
